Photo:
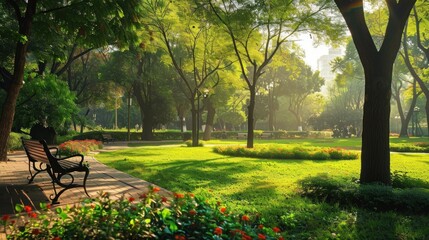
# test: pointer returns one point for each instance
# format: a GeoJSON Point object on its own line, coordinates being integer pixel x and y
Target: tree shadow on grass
{"type": "Point", "coordinates": [210, 173]}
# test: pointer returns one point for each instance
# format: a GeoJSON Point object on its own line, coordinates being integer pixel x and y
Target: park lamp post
{"type": "Point", "coordinates": [205, 94]}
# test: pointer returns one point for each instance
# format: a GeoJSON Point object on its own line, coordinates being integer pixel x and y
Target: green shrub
{"type": "Point", "coordinates": [370, 196]}
{"type": "Point", "coordinates": [409, 147]}
{"type": "Point", "coordinates": [271, 152]}
{"type": "Point", "coordinates": [189, 143]}
{"type": "Point", "coordinates": [153, 217]}
{"type": "Point", "coordinates": [14, 141]}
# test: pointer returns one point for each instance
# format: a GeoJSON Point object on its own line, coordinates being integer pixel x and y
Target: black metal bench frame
{"type": "Point", "coordinates": [40, 158]}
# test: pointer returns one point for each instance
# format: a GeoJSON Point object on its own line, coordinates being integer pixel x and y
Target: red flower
{"type": "Point", "coordinates": [245, 218]}
{"type": "Point", "coordinates": [131, 199]}
{"type": "Point", "coordinates": [276, 229]}
{"type": "Point", "coordinates": [223, 209]}
{"type": "Point", "coordinates": [56, 238]}
{"type": "Point", "coordinates": [179, 195]}
{"type": "Point", "coordinates": [192, 212]}
{"type": "Point", "coordinates": [191, 195]}
{"type": "Point", "coordinates": [35, 231]}
{"type": "Point", "coordinates": [180, 237]}
{"type": "Point", "coordinates": [155, 189]}
{"type": "Point", "coordinates": [164, 199]}
{"type": "Point", "coordinates": [28, 209]}
{"type": "Point", "coordinates": [143, 196]}
{"type": "Point", "coordinates": [280, 238]}
{"type": "Point", "coordinates": [32, 215]}
{"type": "Point", "coordinates": [261, 226]}
{"type": "Point", "coordinates": [218, 231]}
{"type": "Point", "coordinates": [261, 236]}
{"type": "Point", "coordinates": [5, 217]}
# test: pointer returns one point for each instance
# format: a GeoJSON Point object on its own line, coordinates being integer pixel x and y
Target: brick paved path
{"type": "Point", "coordinates": [14, 188]}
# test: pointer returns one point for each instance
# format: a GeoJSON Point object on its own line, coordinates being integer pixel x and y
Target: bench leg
{"type": "Point", "coordinates": [37, 169]}
{"type": "Point", "coordinates": [57, 180]}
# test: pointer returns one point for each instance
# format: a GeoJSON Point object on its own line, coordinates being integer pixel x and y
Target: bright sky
{"type": "Point", "coordinates": [312, 53]}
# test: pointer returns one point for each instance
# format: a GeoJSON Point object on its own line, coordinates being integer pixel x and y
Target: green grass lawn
{"type": "Point", "coordinates": [270, 186]}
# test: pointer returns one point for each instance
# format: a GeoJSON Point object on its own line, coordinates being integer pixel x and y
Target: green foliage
{"type": "Point", "coordinates": [183, 216]}
{"type": "Point", "coordinates": [275, 152]}
{"type": "Point", "coordinates": [374, 197]}
{"type": "Point", "coordinates": [409, 147]}
{"type": "Point", "coordinates": [44, 98]}
{"type": "Point", "coordinates": [14, 141]}
{"type": "Point", "coordinates": [188, 143]}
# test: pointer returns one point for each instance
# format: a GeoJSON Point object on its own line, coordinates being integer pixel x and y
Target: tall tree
{"type": "Point", "coordinates": [13, 80]}
{"type": "Point", "coordinates": [73, 13]}
{"type": "Point", "coordinates": [195, 47]}
{"type": "Point", "coordinates": [257, 30]}
{"type": "Point", "coordinates": [417, 45]}
{"type": "Point", "coordinates": [378, 66]}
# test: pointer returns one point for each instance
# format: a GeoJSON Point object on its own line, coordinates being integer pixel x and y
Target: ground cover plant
{"type": "Point", "coordinates": [152, 216]}
{"type": "Point", "coordinates": [272, 187]}
{"type": "Point", "coordinates": [284, 152]}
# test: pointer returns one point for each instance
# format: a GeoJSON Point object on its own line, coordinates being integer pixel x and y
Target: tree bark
{"type": "Point", "coordinates": [14, 87]}
{"type": "Point", "coordinates": [375, 158]}
{"type": "Point", "coordinates": [250, 117]}
{"type": "Point", "coordinates": [146, 113]}
{"type": "Point", "coordinates": [194, 113]}
{"type": "Point", "coordinates": [211, 112]}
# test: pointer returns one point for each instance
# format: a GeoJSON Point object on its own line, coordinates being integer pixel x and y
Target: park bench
{"type": "Point", "coordinates": [41, 158]}
{"type": "Point", "coordinates": [106, 138]}
{"type": "Point", "coordinates": [241, 135]}
{"type": "Point", "coordinates": [266, 135]}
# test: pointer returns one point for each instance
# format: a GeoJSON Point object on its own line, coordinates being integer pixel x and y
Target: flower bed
{"type": "Point", "coordinates": [275, 152]}
{"type": "Point", "coordinates": [79, 147]}
{"type": "Point", "coordinates": [184, 216]}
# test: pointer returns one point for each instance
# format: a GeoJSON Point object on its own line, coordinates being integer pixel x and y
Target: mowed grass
{"type": "Point", "coordinates": [271, 186]}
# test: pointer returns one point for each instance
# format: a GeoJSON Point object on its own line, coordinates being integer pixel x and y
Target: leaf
{"type": "Point", "coordinates": [19, 207]}
{"type": "Point", "coordinates": [165, 214]}
{"type": "Point", "coordinates": [23, 39]}
{"type": "Point", "coordinates": [173, 227]}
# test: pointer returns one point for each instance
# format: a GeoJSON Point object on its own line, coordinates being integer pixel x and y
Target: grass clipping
{"type": "Point", "coordinates": [284, 152]}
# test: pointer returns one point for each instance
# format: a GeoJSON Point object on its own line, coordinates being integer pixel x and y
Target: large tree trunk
{"type": "Point", "coordinates": [211, 112]}
{"type": "Point", "coordinates": [146, 112]}
{"type": "Point", "coordinates": [147, 133]}
{"type": "Point", "coordinates": [375, 159]}
{"type": "Point", "coordinates": [378, 65]}
{"type": "Point", "coordinates": [15, 83]}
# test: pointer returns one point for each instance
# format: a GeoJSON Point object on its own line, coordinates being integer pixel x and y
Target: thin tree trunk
{"type": "Point", "coordinates": [250, 118]}
{"type": "Point", "coordinates": [211, 112]}
{"type": "Point", "coordinates": [194, 124]}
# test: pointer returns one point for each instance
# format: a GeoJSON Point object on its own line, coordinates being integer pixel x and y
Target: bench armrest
{"type": "Point", "coordinates": [54, 151]}
{"type": "Point", "coordinates": [71, 156]}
